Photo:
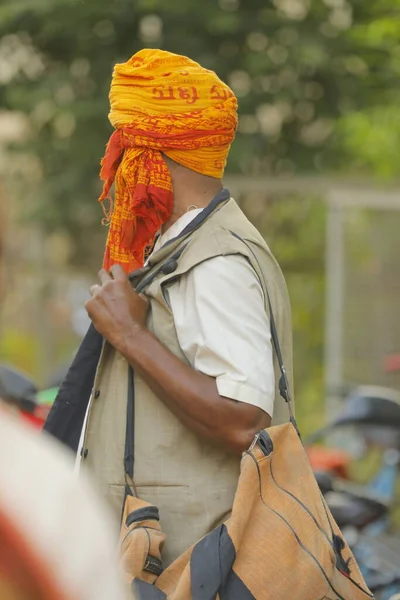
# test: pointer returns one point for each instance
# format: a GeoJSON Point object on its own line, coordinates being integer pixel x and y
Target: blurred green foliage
{"type": "Point", "coordinates": [317, 81]}
{"type": "Point", "coordinates": [17, 348]}
{"type": "Point", "coordinates": [318, 87]}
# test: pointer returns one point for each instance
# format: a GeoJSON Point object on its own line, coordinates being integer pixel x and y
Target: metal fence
{"type": "Point", "coordinates": [362, 301]}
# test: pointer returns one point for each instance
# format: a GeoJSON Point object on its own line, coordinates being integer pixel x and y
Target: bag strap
{"type": "Point", "coordinates": [130, 428]}
{"type": "Point", "coordinates": [283, 380]}
{"type": "Point", "coordinates": [284, 388]}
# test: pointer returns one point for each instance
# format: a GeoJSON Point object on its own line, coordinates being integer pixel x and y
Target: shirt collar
{"type": "Point", "coordinates": [176, 228]}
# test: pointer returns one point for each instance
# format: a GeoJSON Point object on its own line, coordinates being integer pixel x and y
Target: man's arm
{"type": "Point", "coordinates": [119, 314]}
{"type": "Point", "coordinates": [192, 396]}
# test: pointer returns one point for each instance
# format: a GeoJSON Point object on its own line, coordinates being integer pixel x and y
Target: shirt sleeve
{"type": "Point", "coordinates": [224, 330]}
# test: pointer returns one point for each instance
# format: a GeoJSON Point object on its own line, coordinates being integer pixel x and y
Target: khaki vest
{"type": "Point", "coordinates": [192, 483]}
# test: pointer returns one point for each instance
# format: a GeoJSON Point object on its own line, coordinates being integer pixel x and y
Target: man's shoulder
{"type": "Point", "coordinates": [225, 230]}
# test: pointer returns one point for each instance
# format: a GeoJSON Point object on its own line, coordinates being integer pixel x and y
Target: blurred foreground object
{"type": "Point", "coordinates": [18, 390]}
{"type": "Point", "coordinates": [55, 538]}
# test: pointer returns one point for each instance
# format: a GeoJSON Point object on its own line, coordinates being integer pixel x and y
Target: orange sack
{"type": "Point", "coordinates": [161, 103]}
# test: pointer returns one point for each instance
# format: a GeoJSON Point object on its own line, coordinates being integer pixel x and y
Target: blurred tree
{"type": "Point", "coordinates": [315, 82]}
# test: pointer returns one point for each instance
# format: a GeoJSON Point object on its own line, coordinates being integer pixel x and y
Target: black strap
{"type": "Point", "coordinates": [130, 427]}
{"type": "Point", "coordinates": [283, 380]}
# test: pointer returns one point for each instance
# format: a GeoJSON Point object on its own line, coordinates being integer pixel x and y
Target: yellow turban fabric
{"type": "Point", "coordinates": [161, 103]}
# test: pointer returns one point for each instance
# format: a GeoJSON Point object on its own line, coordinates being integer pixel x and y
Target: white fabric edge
{"type": "Point", "coordinates": [242, 392]}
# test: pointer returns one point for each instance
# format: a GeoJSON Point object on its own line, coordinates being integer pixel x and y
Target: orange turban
{"type": "Point", "coordinates": [160, 103]}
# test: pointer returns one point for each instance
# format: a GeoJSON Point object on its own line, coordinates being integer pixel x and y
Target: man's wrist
{"type": "Point", "coordinates": [129, 341]}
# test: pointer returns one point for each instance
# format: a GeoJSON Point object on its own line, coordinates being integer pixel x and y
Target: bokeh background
{"type": "Point", "coordinates": [314, 165]}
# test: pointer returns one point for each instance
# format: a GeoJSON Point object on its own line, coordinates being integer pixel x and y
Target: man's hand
{"type": "Point", "coordinates": [116, 310]}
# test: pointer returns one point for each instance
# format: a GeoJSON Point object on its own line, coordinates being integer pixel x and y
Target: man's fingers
{"type": "Point", "coordinates": [88, 306]}
{"type": "Point", "coordinates": [118, 272]}
{"type": "Point", "coordinates": [104, 276]}
{"type": "Point", "coordinates": [95, 289]}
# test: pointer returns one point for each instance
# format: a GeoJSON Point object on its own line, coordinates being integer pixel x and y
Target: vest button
{"type": "Point", "coordinates": [97, 394]}
{"type": "Point", "coordinates": [85, 452]}
{"type": "Point", "coordinates": [170, 266]}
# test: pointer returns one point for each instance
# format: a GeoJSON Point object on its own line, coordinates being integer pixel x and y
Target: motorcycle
{"type": "Point", "coordinates": [363, 511]}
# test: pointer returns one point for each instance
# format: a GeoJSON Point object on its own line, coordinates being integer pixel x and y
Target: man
{"type": "Point", "coordinates": [197, 336]}
{"type": "Point", "coordinates": [55, 537]}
